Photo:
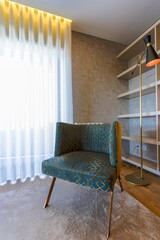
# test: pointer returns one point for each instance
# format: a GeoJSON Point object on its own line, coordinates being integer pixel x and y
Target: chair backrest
{"type": "Point", "coordinates": [94, 137]}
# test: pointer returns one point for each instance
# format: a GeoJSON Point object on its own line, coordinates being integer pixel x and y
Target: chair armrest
{"type": "Point", "coordinates": [115, 149]}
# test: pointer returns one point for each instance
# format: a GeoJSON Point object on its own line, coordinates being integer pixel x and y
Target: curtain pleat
{"type": "Point", "coordinates": [35, 87]}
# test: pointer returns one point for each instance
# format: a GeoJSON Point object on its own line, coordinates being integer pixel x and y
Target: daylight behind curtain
{"type": "Point", "coordinates": [35, 87]}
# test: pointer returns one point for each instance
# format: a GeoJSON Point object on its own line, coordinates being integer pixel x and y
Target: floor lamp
{"type": "Point", "coordinates": [151, 60]}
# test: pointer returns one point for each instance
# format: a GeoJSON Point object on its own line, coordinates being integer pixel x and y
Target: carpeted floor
{"type": "Point", "coordinates": [75, 213]}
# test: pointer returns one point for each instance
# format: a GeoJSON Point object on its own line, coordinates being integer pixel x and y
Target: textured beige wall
{"type": "Point", "coordinates": [95, 86]}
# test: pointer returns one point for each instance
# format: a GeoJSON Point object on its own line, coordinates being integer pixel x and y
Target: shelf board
{"type": "Point", "coordinates": [135, 93]}
{"type": "Point", "coordinates": [127, 74]}
{"type": "Point", "coordinates": [144, 139]}
{"type": "Point", "coordinates": [137, 115]}
{"type": "Point", "coordinates": [147, 164]}
{"type": "Point", "coordinates": [158, 83]}
{"type": "Point", "coordinates": [138, 44]}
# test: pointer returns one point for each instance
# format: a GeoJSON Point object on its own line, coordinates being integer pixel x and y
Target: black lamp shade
{"type": "Point", "coordinates": [151, 55]}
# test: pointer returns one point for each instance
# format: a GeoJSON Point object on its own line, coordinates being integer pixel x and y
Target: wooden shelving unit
{"type": "Point", "coordinates": [131, 54]}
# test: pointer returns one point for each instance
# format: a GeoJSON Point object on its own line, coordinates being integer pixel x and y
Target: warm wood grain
{"type": "Point", "coordinates": [149, 195]}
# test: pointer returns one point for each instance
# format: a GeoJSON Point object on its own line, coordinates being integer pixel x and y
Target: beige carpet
{"type": "Point", "coordinates": [75, 213]}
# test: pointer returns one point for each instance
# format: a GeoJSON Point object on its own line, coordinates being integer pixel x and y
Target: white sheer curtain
{"type": "Point", "coordinates": [35, 87]}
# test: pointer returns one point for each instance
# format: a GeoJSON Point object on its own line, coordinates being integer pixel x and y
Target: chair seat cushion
{"type": "Point", "coordinates": [86, 168]}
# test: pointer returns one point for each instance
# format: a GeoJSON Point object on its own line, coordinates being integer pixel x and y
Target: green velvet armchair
{"type": "Point", "coordinates": [87, 154]}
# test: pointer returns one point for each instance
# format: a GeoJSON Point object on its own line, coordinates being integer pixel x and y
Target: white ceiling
{"type": "Point", "coordinates": [116, 20]}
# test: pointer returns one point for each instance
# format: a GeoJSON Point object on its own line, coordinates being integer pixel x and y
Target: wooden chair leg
{"type": "Point", "coordinates": [110, 214]}
{"type": "Point", "coordinates": [49, 193]}
{"type": "Point", "coordinates": [120, 183]}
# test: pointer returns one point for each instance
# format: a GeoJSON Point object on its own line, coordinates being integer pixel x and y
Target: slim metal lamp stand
{"type": "Point", "coordinates": [134, 178]}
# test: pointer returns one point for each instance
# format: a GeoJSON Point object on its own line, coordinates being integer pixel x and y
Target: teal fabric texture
{"type": "Point", "coordinates": [82, 137]}
{"type": "Point", "coordinates": [84, 154]}
{"type": "Point", "coordinates": [113, 145]}
{"type": "Point", "coordinates": [86, 168]}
